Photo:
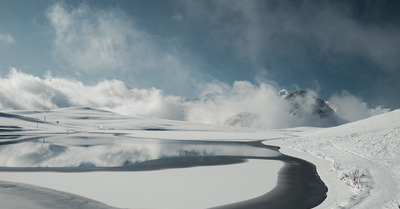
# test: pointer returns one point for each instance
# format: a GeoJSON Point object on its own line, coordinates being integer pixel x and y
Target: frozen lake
{"type": "Point", "coordinates": [97, 159]}
{"type": "Point", "coordinates": [195, 174]}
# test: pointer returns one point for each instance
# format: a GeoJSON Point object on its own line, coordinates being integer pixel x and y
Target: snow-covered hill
{"type": "Point", "coordinates": [371, 146]}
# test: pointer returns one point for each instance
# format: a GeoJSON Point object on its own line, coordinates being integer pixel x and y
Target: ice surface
{"type": "Point", "coordinates": [198, 187]}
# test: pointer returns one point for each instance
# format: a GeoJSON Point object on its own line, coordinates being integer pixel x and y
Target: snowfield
{"type": "Point", "coordinates": [359, 162]}
{"type": "Point", "coordinates": [371, 146]}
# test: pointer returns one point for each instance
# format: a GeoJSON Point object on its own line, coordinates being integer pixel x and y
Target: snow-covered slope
{"type": "Point", "coordinates": [370, 146]}
{"type": "Point", "coordinates": [16, 195]}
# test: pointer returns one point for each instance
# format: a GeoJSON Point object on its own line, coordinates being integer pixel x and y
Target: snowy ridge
{"type": "Point", "coordinates": [370, 145]}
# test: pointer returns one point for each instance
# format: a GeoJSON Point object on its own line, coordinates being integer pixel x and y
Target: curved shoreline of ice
{"type": "Point", "coordinates": [196, 187]}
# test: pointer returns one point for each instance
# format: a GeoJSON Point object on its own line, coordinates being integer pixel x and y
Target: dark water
{"type": "Point", "coordinates": [299, 186]}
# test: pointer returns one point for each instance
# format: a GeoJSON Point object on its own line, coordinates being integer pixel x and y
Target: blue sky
{"type": "Point", "coordinates": [177, 46]}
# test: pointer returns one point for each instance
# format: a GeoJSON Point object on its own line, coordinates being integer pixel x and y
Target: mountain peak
{"type": "Point", "coordinates": [306, 104]}
{"type": "Point", "coordinates": [297, 93]}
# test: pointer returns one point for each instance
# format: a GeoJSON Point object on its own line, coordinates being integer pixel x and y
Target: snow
{"type": "Point", "coordinates": [371, 146]}
{"type": "Point", "coordinates": [16, 196]}
{"type": "Point", "coordinates": [197, 187]}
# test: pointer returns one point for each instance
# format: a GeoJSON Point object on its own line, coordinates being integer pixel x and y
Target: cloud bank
{"type": "Point", "coordinates": [24, 91]}
{"type": "Point", "coordinates": [240, 104]}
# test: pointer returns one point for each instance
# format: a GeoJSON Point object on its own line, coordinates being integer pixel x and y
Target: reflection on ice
{"type": "Point", "coordinates": [114, 151]}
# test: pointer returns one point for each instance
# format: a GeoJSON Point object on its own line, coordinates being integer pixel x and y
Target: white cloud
{"type": "Point", "coordinates": [95, 40]}
{"type": "Point", "coordinates": [107, 40]}
{"type": "Point", "coordinates": [6, 38]}
{"type": "Point", "coordinates": [352, 108]}
{"type": "Point", "coordinates": [50, 92]}
{"type": "Point", "coordinates": [220, 103]}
